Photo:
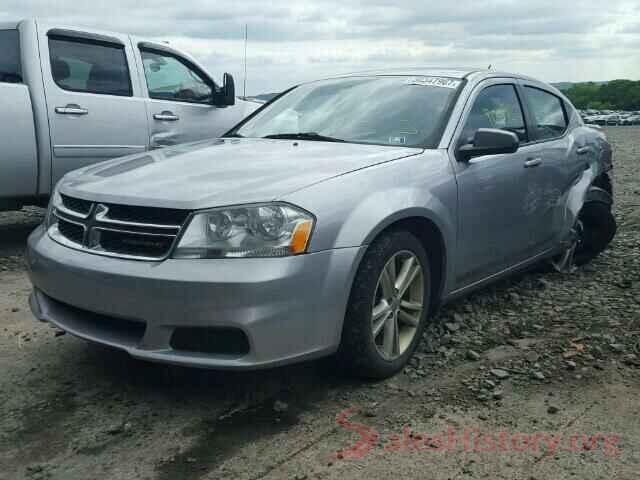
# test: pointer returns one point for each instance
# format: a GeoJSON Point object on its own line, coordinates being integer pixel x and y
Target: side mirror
{"type": "Point", "coordinates": [227, 95]}
{"type": "Point", "coordinates": [489, 141]}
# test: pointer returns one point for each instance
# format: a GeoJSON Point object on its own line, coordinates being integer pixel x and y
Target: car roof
{"type": "Point", "coordinates": [473, 75]}
{"type": "Point", "coordinates": [90, 30]}
{"type": "Point", "coordinates": [418, 71]}
{"type": "Point", "coordinates": [449, 72]}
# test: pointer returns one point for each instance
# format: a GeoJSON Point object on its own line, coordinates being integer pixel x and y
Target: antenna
{"type": "Point", "coordinates": [245, 59]}
{"type": "Point", "coordinates": [489, 67]}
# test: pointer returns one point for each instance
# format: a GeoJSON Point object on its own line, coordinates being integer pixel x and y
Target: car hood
{"type": "Point", "coordinates": [222, 172]}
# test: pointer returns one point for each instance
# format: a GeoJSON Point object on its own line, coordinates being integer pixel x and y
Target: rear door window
{"type": "Point", "coordinates": [10, 67]}
{"type": "Point", "coordinates": [92, 67]}
{"type": "Point", "coordinates": [550, 120]}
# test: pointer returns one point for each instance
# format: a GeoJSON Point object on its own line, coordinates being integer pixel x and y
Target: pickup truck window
{"type": "Point", "coordinates": [10, 68]}
{"type": "Point", "coordinates": [170, 78]}
{"type": "Point", "coordinates": [84, 66]}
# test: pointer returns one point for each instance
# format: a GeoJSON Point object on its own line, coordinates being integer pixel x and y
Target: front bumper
{"type": "Point", "coordinates": [290, 309]}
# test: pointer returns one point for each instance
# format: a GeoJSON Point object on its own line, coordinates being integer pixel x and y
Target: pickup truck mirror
{"type": "Point", "coordinates": [227, 95]}
{"type": "Point", "coordinates": [489, 141]}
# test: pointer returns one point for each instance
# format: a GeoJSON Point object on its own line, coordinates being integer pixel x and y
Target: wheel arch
{"type": "Point", "coordinates": [603, 181]}
{"type": "Point", "coordinates": [598, 194]}
{"type": "Point", "coordinates": [432, 237]}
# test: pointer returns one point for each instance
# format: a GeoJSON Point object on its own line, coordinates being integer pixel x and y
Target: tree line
{"type": "Point", "coordinates": [614, 95]}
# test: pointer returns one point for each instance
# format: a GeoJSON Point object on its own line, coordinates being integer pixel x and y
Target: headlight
{"type": "Point", "coordinates": [267, 230]}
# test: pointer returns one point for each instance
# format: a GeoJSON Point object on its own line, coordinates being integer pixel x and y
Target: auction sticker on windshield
{"type": "Point", "coordinates": [434, 82]}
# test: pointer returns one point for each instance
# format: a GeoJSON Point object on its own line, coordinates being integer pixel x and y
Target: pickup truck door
{"type": "Point", "coordinates": [180, 98]}
{"type": "Point", "coordinates": [93, 98]}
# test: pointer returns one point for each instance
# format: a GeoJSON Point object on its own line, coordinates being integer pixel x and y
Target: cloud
{"type": "Point", "coordinates": [294, 42]}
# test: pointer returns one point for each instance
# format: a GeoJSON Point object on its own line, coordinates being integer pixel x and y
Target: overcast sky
{"type": "Point", "coordinates": [291, 42]}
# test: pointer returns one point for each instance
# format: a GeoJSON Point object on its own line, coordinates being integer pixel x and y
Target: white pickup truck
{"type": "Point", "coordinates": [71, 97]}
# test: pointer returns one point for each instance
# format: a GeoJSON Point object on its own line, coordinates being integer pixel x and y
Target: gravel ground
{"type": "Point", "coordinates": [541, 353]}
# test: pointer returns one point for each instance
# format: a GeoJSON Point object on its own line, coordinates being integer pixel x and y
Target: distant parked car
{"type": "Point", "coordinates": [71, 97]}
{"type": "Point", "coordinates": [612, 120]}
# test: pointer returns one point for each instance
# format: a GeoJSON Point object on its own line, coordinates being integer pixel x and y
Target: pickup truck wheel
{"type": "Point", "coordinates": [388, 306]}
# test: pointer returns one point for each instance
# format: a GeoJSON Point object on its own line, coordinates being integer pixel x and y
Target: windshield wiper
{"type": "Point", "coordinates": [233, 135]}
{"type": "Point", "coordinates": [304, 136]}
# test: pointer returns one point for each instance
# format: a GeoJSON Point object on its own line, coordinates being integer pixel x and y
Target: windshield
{"type": "Point", "coordinates": [395, 111]}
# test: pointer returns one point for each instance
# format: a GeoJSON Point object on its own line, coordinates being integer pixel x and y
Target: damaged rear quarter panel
{"type": "Point", "coordinates": [584, 170]}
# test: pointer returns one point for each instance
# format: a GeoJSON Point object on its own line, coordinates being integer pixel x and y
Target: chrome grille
{"type": "Point", "coordinates": [162, 216]}
{"type": "Point", "coordinates": [127, 243]}
{"type": "Point", "coordinates": [72, 231]}
{"type": "Point", "coordinates": [76, 204]}
{"type": "Point", "coordinates": [141, 233]}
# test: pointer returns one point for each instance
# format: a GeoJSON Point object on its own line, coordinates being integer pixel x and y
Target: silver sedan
{"type": "Point", "coordinates": [333, 221]}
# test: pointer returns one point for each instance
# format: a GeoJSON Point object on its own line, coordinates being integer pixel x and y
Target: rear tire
{"type": "Point", "coordinates": [377, 343]}
{"type": "Point", "coordinates": [599, 228]}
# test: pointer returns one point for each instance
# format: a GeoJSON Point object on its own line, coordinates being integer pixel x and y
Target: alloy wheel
{"type": "Point", "coordinates": [565, 262]}
{"type": "Point", "coordinates": [397, 305]}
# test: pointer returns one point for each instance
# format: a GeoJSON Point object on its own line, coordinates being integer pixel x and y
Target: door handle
{"type": "Point", "coordinates": [583, 150]}
{"type": "Point", "coordinates": [166, 116]}
{"type": "Point", "coordinates": [72, 109]}
{"type": "Point", "coordinates": [532, 162]}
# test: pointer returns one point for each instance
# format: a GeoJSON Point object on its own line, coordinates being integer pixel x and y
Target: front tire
{"type": "Point", "coordinates": [388, 306]}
